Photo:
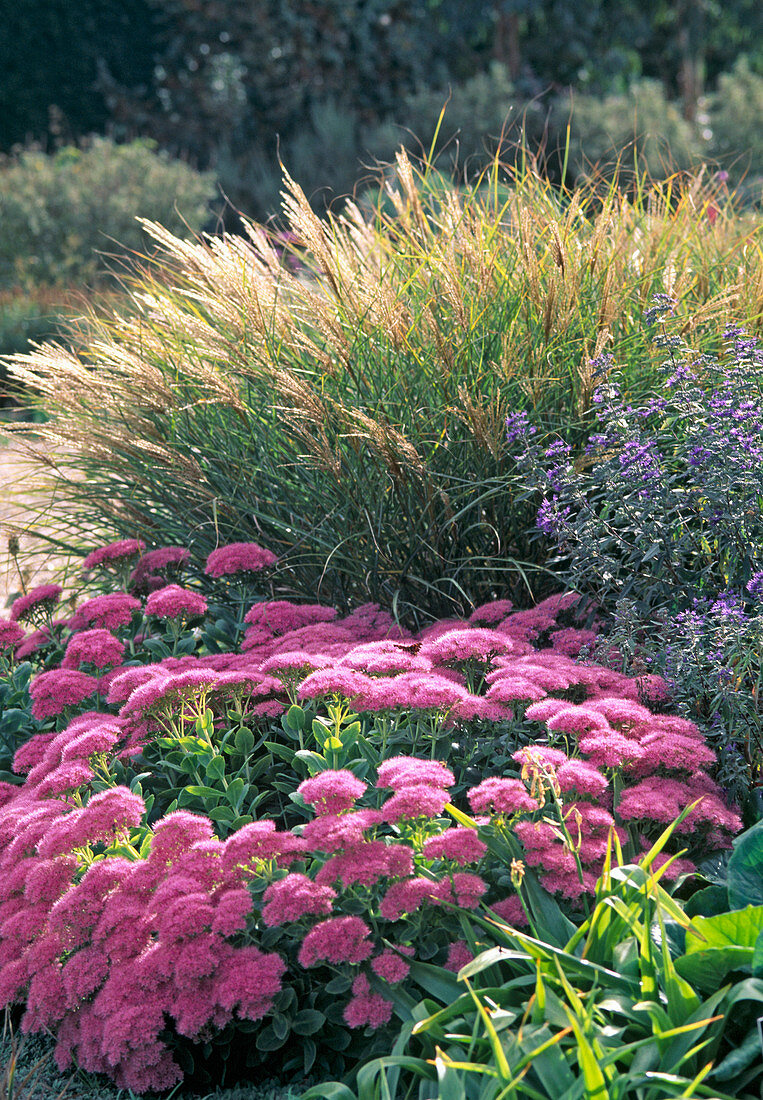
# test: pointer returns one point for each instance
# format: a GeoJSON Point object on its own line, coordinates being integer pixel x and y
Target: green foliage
{"type": "Point", "coordinates": [482, 116]}
{"type": "Point", "coordinates": [16, 722]}
{"type": "Point", "coordinates": [59, 214]}
{"type": "Point", "coordinates": [735, 110]}
{"type": "Point", "coordinates": [615, 1010]}
{"type": "Point", "coordinates": [640, 127]}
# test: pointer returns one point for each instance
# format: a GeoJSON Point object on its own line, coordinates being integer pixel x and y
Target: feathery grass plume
{"type": "Point", "coordinates": [348, 413]}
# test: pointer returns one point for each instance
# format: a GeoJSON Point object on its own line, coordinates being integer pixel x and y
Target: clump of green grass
{"type": "Point", "coordinates": [349, 412]}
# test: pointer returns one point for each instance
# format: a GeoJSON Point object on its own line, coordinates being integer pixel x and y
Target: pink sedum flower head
{"type": "Point", "coordinates": [52, 691]}
{"type": "Point", "coordinates": [174, 602]}
{"type": "Point", "coordinates": [478, 707]}
{"type": "Point", "coordinates": [106, 612]}
{"type": "Point", "coordinates": [276, 617]}
{"type": "Point", "coordinates": [333, 832]}
{"type": "Point", "coordinates": [390, 966]}
{"type": "Point", "coordinates": [427, 691]}
{"type": "Point", "coordinates": [11, 634]}
{"type": "Point", "coordinates": [582, 777]}
{"type": "Point", "coordinates": [93, 647]}
{"type": "Point", "coordinates": [510, 910]}
{"type": "Point", "coordinates": [336, 940]}
{"type": "Point", "coordinates": [408, 896]}
{"type": "Point", "coordinates": [407, 771]}
{"type": "Point", "coordinates": [239, 557]}
{"type": "Point", "coordinates": [570, 640]}
{"type": "Point", "coordinates": [331, 792]}
{"type": "Point", "coordinates": [260, 842]}
{"type": "Point", "coordinates": [458, 956]}
{"type": "Point", "coordinates": [610, 749]}
{"type": "Point", "coordinates": [327, 682]}
{"type": "Point", "coordinates": [366, 862]}
{"type": "Point", "coordinates": [467, 644]}
{"type": "Point", "coordinates": [545, 709]}
{"type": "Point", "coordinates": [463, 889]}
{"type": "Point", "coordinates": [515, 687]}
{"type": "Point", "coordinates": [458, 843]}
{"type": "Point", "coordinates": [294, 897]}
{"type": "Point", "coordinates": [578, 720]}
{"type": "Point", "coordinates": [532, 755]}
{"type": "Point", "coordinates": [501, 796]}
{"type": "Point", "coordinates": [411, 802]}
{"type": "Point", "coordinates": [154, 564]}
{"type": "Point", "coordinates": [493, 612]}
{"type": "Point", "coordinates": [125, 682]}
{"type": "Point", "coordinates": [385, 658]}
{"type": "Point", "coordinates": [114, 552]}
{"type": "Point", "coordinates": [41, 599]}
{"type": "Point", "coordinates": [366, 1009]}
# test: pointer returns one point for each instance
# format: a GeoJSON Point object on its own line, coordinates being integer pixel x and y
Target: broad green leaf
{"type": "Point", "coordinates": [740, 1058]}
{"type": "Point", "coordinates": [757, 957]}
{"type": "Point", "coordinates": [708, 969]}
{"type": "Point", "coordinates": [244, 741]}
{"type": "Point", "coordinates": [548, 1061]}
{"type": "Point", "coordinates": [197, 790]}
{"type": "Point", "coordinates": [329, 1090]}
{"type": "Point", "coordinates": [215, 768]}
{"type": "Point", "coordinates": [745, 869]}
{"type": "Point", "coordinates": [307, 1021]}
{"type": "Point", "coordinates": [294, 719]}
{"type": "Point", "coordinates": [708, 902]}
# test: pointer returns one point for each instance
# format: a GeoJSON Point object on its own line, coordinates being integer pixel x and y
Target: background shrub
{"type": "Point", "coordinates": [640, 126]}
{"type": "Point", "coordinates": [59, 214]}
{"type": "Point", "coordinates": [735, 110]}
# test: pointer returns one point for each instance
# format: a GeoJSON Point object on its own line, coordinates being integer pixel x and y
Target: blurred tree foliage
{"type": "Point", "coordinates": [226, 84]}
{"type": "Point", "coordinates": [56, 56]}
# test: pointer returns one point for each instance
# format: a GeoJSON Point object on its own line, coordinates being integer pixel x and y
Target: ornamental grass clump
{"type": "Point", "coordinates": [350, 415]}
{"type": "Point", "coordinates": [195, 870]}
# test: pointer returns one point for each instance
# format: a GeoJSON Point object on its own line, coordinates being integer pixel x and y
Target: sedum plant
{"type": "Point", "coordinates": [268, 835]}
{"type": "Point", "coordinates": [350, 411]}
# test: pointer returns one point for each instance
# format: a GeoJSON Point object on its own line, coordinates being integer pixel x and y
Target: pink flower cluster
{"type": "Point", "coordinates": [155, 565]}
{"type": "Point", "coordinates": [100, 648]}
{"type": "Point", "coordinates": [103, 956]}
{"type": "Point", "coordinates": [103, 959]}
{"type": "Point", "coordinates": [105, 612]}
{"type": "Point", "coordinates": [114, 552]}
{"type": "Point", "coordinates": [41, 599]}
{"type": "Point", "coordinates": [11, 634]}
{"type": "Point", "coordinates": [238, 557]}
{"type": "Point", "coordinates": [174, 602]}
